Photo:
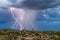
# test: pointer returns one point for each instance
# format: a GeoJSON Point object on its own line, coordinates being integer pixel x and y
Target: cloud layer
{"type": "Point", "coordinates": [38, 4]}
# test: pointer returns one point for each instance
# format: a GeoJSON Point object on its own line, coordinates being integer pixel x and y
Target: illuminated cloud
{"type": "Point", "coordinates": [12, 1]}
{"type": "Point", "coordinates": [4, 3]}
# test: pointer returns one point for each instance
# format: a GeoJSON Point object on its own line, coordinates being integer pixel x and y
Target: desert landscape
{"type": "Point", "coordinates": [29, 35]}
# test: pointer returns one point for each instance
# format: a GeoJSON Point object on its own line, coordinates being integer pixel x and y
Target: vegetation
{"type": "Point", "coordinates": [13, 34]}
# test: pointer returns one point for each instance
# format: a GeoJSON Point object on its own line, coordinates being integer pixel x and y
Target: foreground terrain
{"type": "Point", "coordinates": [29, 35]}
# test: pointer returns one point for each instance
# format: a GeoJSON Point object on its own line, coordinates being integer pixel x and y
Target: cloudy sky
{"type": "Point", "coordinates": [48, 13]}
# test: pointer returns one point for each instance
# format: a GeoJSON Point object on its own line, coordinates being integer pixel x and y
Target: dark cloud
{"type": "Point", "coordinates": [39, 4]}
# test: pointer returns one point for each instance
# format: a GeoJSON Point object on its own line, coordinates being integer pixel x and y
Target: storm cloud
{"type": "Point", "coordinates": [38, 4]}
